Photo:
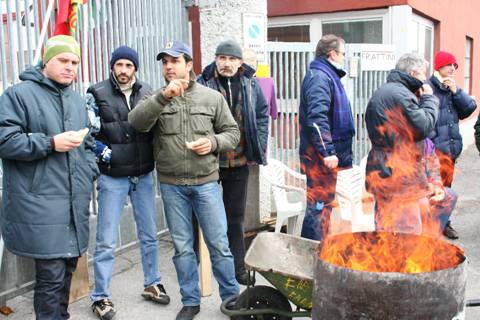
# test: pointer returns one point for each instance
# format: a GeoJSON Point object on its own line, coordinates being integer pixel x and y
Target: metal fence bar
{"type": "Point", "coordinates": [3, 56]}
{"type": "Point", "coordinates": [13, 57]}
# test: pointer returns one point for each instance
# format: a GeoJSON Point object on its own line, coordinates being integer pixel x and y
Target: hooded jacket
{"type": "Point", "coordinates": [397, 123]}
{"type": "Point", "coordinates": [46, 194]}
{"type": "Point", "coordinates": [254, 111]}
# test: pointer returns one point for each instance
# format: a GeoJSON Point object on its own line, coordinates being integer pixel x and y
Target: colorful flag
{"type": "Point", "coordinates": [67, 17]}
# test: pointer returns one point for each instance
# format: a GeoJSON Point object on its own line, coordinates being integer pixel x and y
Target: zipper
{"type": "Point", "coordinates": [186, 129]}
{"type": "Point", "coordinates": [231, 93]}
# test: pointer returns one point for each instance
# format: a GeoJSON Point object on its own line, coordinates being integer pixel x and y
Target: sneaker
{"type": "Point", "coordinates": [449, 232]}
{"type": "Point", "coordinates": [188, 312]}
{"type": "Point", "coordinates": [156, 293]}
{"type": "Point", "coordinates": [104, 309]}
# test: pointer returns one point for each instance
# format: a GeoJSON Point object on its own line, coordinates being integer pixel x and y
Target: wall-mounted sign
{"type": "Point", "coordinates": [254, 34]}
{"type": "Point", "coordinates": [374, 56]}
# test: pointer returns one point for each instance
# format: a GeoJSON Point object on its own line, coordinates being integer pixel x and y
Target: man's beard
{"type": "Point", "coordinates": [129, 78]}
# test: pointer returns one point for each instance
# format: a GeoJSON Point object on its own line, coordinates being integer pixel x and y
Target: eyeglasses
{"type": "Point", "coordinates": [341, 52]}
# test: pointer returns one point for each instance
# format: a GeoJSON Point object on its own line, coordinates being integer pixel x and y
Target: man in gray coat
{"type": "Point", "coordinates": [49, 168]}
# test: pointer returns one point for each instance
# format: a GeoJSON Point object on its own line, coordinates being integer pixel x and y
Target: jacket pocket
{"type": "Point", "coordinates": [38, 175]}
{"type": "Point", "coordinates": [201, 119]}
{"type": "Point", "coordinates": [169, 120]}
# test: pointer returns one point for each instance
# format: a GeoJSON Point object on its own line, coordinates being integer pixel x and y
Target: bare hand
{"type": "Point", "coordinates": [175, 88]}
{"type": "Point", "coordinates": [450, 83]}
{"type": "Point", "coordinates": [425, 89]}
{"type": "Point", "coordinates": [331, 162]}
{"type": "Point", "coordinates": [67, 141]}
{"type": "Point", "coordinates": [438, 194]}
{"type": "Point", "coordinates": [201, 146]}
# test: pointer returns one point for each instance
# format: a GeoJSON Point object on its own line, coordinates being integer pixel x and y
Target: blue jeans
{"type": "Point", "coordinates": [112, 195]}
{"type": "Point", "coordinates": [206, 202]}
{"type": "Point", "coordinates": [444, 208]}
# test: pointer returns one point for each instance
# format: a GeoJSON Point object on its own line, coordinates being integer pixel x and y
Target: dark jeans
{"type": "Point", "coordinates": [321, 184]}
{"type": "Point", "coordinates": [234, 184]}
{"type": "Point", "coordinates": [52, 288]}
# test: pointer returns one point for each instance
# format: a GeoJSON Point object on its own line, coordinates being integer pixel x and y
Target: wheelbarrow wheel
{"type": "Point", "coordinates": [262, 297]}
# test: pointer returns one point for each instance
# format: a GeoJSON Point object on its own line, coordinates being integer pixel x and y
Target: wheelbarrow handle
{"type": "Point", "coordinates": [473, 303]}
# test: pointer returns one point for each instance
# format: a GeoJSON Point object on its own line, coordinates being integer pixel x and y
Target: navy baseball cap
{"type": "Point", "coordinates": [175, 49]}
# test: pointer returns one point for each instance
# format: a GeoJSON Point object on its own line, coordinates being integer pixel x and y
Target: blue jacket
{"type": "Point", "coordinates": [255, 111]}
{"type": "Point", "coordinates": [46, 194]}
{"type": "Point", "coordinates": [316, 113]}
{"type": "Point", "coordinates": [453, 107]}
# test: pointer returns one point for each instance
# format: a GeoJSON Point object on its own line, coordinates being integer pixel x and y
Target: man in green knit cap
{"type": "Point", "coordinates": [49, 167]}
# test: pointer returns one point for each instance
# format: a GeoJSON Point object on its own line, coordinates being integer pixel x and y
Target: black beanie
{"type": "Point", "coordinates": [229, 48]}
{"type": "Point", "coordinates": [124, 52]}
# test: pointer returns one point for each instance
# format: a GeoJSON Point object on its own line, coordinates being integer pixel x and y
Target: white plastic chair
{"type": "Point", "coordinates": [290, 200]}
{"type": "Point", "coordinates": [350, 191]}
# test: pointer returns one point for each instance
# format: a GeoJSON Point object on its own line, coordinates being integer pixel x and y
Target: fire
{"type": "Point", "coordinates": [403, 206]}
{"type": "Point", "coordinates": [389, 252]}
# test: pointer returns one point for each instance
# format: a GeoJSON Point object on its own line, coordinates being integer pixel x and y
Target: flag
{"type": "Point", "coordinates": [67, 17]}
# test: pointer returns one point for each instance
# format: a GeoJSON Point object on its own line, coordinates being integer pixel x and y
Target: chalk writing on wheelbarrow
{"type": "Point", "coordinates": [299, 292]}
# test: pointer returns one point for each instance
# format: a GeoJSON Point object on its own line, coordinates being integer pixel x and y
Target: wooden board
{"type": "Point", "coordinates": [205, 267]}
{"type": "Point", "coordinates": [80, 283]}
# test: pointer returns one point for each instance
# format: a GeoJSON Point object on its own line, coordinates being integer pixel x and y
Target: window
{"type": "Point", "coordinates": [369, 31]}
{"type": "Point", "coordinates": [467, 84]}
{"type": "Point", "coordinates": [421, 38]}
{"type": "Point", "coordinates": [289, 34]}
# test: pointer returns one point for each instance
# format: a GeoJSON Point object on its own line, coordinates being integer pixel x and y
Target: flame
{"type": "Point", "coordinates": [389, 252]}
{"type": "Point", "coordinates": [408, 229]}
{"type": "Point", "coordinates": [401, 188]}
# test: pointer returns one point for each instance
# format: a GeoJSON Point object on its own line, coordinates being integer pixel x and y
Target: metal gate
{"type": "Point", "coordinates": [289, 62]}
{"type": "Point", "coordinates": [103, 25]}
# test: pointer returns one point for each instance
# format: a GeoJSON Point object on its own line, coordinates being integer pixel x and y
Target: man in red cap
{"type": "Point", "coordinates": [455, 104]}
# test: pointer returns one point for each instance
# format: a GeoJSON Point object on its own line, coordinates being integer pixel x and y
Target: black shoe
{"type": "Point", "coordinates": [231, 305]}
{"type": "Point", "coordinates": [242, 278]}
{"type": "Point", "coordinates": [449, 232]}
{"type": "Point", "coordinates": [188, 312]}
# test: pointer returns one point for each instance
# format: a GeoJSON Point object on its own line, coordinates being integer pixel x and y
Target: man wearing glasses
{"type": "Point", "coordinates": [326, 131]}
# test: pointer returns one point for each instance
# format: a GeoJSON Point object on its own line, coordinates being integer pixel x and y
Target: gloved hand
{"type": "Point", "coordinates": [102, 151]}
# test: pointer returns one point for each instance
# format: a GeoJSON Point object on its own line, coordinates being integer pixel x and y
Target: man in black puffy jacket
{"type": "Point", "coordinates": [125, 159]}
{"type": "Point", "coordinates": [455, 104]}
{"type": "Point", "coordinates": [399, 116]}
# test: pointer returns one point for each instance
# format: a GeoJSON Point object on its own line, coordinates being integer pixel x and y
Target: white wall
{"type": "Point", "coordinates": [222, 19]}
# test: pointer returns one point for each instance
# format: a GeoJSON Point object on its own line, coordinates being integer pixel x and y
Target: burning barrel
{"type": "Point", "coordinates": [380, 275]}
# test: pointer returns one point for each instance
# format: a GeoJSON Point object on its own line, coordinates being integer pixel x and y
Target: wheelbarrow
{"type": "Point", "coordinates": [287, 263]}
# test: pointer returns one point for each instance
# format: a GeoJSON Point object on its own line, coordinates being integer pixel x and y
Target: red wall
{"type": "Point", "coordinates": [455, 19]}
{"type": "Point", "coordinates": [293, 7]}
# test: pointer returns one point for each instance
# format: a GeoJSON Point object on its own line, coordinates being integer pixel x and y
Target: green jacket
{"type": "Point", "coordinates": [199, 112]}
